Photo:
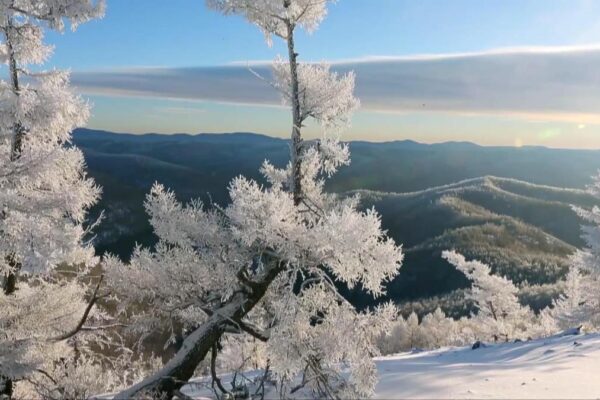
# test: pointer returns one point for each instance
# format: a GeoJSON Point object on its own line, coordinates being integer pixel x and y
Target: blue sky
{"type": "Point", "coordinates": [138, 36]}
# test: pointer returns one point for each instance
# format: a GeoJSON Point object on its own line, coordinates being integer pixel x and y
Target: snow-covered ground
{"type": "Point", "coordinates": [559, 368]}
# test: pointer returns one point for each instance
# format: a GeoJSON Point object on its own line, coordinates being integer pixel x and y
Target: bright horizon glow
{"type": "Point", "coordinates": [170, 116]}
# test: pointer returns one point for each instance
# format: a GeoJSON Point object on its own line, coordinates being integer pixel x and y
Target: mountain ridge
{"type": "Point", "coordinates": [506, 206]}
{"type": "Point", "coordinates": [402, 142]}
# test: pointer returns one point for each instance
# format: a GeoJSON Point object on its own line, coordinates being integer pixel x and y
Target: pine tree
{"type": "Point", "coordinates": [268, 266]}
{"type": "Point", "coordinates": [573, 307]}
{"type": "Point", "coordinates": [580, 303]}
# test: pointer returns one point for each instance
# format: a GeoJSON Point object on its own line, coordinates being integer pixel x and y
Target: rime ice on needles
{"type": "Point", "coordinates": [194, 270]}
{"type": "Point", "coordinates": [324, 95]}
{"type": "Point", "coordinates": [271, 16]}
{"type": "Point", "coordinates": [589, 259]}
{"type": "Point", "coordinates": [287, 245]}
{"type": "Point", "coordinates": [193, 266]}
{"type": "Point", "coordinates": [573, 307]}
{"type": "Point", "coordinates": [54, 13]}
{"type": "Point", "coordinates": [495, 298]}
{"type": "Point", "coordinates": [44, 191]}
{"type": "Point", "coordinates": [29, 318]}
{"type": "Point", "coordinates": [580, 303]}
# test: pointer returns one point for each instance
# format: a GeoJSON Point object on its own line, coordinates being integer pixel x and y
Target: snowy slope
{"type": "Point", "coordinates": [560, 367]}
{"type": "Point", "coordinates": [564, 367]}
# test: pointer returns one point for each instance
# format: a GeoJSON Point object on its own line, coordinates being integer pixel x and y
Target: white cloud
{"type": "Point", "coordinates": [181, 110]}
{"type": "Point", "coordinates": [546, 83]}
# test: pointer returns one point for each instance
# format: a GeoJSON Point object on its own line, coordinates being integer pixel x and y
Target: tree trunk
{"type": "Point", "coordinates": [296, 144]}
{"type": "Point", "coordinates": [10, 280]}
{"type": "Point", "coordinates": [7, 388]}
{"type": "Point", "coordinates": [18, 128]}
{"type": "Point", "coordinates": [200, 342]}
{"type": "Point", "coordinates": [178, 371]}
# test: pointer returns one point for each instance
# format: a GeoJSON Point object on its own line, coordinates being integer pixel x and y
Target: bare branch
{"type": "Point", "coordinates": [213, 369]}
{"type": "Point", "coordinates": [85, 316]}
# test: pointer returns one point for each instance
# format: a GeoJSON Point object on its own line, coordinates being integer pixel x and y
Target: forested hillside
{"type": "Point", "coordinates": [524, 231]}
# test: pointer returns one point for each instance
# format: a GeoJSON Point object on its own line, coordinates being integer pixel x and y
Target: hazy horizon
{"type": "Point", "coordinates": [282, 137]}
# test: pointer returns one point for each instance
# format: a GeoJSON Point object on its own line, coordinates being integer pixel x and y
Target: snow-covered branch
{"type": "Point", "coordinates": [267, 267]}
{"type": "Point", "coordinates": [498, 307]}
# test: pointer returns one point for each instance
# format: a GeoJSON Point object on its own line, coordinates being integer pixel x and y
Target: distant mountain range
{"type": "Point", "coordinates": [503, 205]}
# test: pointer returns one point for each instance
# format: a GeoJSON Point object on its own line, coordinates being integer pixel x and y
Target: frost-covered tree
{"type": "Point", "coordinates": [309, 89]}
{"type": "Point", "coordinates": [572, 308]}
{"type": "Point", "coordinates": [404, 335]}
{"type": "Point", "coordinates": [268, 266]}
{"type": "Point", "coordinates": [439, 330]}
{"type": "Point", "coordinates": [499, 312]}
{"type": "Point", "coordinates": [435, 330]}
{"type": "Point", "coordinates": [44, 192]}
{"type": "Point", "coordinates": [580, 303]}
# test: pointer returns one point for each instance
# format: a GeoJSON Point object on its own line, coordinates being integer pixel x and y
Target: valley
{"type": "Point", "coordinates": [514, 215]}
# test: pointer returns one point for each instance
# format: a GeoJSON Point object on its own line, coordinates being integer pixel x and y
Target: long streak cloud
{"type": "Point", "coordinates": [524, 81]}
